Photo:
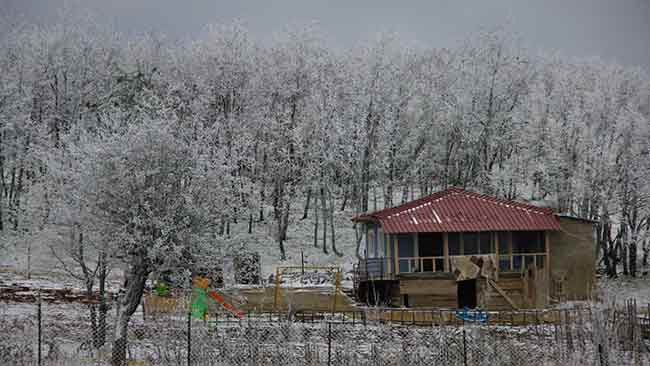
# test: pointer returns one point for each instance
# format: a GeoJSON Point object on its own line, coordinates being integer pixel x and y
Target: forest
{"type": "Point", "coordinates": [149, 148]}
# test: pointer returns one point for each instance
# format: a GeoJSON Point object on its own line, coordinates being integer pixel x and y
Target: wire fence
{"type": "Point", "coordinates": [83, 334]}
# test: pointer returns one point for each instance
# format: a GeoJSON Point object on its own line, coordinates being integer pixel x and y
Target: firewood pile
{"type": "Point", "coordinates": [22, 293]}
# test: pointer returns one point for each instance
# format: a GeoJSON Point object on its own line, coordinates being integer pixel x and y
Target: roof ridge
{"type": "Point", "coordinates": [424, 199]}
{"type": "Point", "coordinates": [404, 208]}
{"type": "Point", "coordinates": [502, 201]}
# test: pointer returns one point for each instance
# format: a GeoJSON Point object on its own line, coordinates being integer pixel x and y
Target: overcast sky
{"type": "Point", "coordinates": [614, 30]}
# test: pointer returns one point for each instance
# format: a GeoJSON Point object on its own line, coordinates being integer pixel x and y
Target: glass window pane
{"type": "Point", "coordinates": [430, 244]}
{"type": "Point", "coordinates": [516, 263]}
{"type": "Point", "coordinates": [530, 260]}
{"type": "Point", "coordinates": [404, 266]}
{"type": "Point", "coordinates": [454, 244]}
{"type": "Point", "coordinates": [526, 242]}
{"type": "Point", "coordinates": [405, 246]}
{"type": "Point", "coordinates": [485, 246]}
{"type": "Point", "coordinates": [503, 242]}
{"type": "Point", "coordinates": [504, 264]}
{"type": "Point", "coordinates": [470, 243]}
{"type": "Point", "coordinates": [370, 242]}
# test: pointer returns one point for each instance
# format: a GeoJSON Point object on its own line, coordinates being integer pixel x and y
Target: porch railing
{"type": "Point", "coordinates": [374, 269]}
{"type": "Point", "coordinates": [383, 268]}
{"type": "Point", "coordinates": [421, 264]}
{"type": "Point", "coordinates": [521, 262]}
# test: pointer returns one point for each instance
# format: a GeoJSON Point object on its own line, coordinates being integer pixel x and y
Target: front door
{"type": "Point", "coordinates": [467, 294]}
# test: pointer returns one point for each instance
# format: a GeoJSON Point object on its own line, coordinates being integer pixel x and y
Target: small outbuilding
{"type": "Point", "coordinates": [456, 248]}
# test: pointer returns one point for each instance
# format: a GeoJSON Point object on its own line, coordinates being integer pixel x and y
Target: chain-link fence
{"type": "Point", "coordinates": [84, 334]}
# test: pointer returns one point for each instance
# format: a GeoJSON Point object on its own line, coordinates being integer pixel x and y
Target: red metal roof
{"type": "Point", "coordinates": [457, 210]}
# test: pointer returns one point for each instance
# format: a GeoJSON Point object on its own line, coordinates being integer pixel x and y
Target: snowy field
{"type": "Point", "coordinates": [299, 238]}
{"type": "Point", "coordinates": [67, 337]}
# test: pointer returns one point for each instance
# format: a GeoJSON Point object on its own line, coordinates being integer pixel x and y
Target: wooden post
{"type": "Point", "coordinates": [189, 337]}
{"type": "Point", "coordinates": [445, 250]}
{"type": "Point", "coordinates": [396, 255]}
{"type": "Point", "coordinates": [510, 250]}
{"type": "Point", "coordinates": [336, 289]}
{"type": "Point", "coordinates": [387, 251]}
{"type": "Point", "coordinates": [276, 295]}
{"type": "Point", "coordinates": [495, 235]}
{"type": "Point", "coordinates": [547, 244]}
{"type": "Point", "coordinates": [416, 253]}
{"type": "Point", "coordinates": [40, 333]}
{"type": "Point", "coordinates": [547, 263]}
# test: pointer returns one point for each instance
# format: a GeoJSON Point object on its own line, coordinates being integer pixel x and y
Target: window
{"type": "Point", "coordinates": [431, 245]}
{"type": "Point", "coordinates": [371, 242]}
{"type": "Point", "coordinates": [503, 242]}
{"type": "Point", "coordinates": [406, 249]}
{"type": "Point", "coordinates": [470, 243]}
{"type": "Point", "coordinates": [380, 243]}
{"type": "Point", "coordinates": [485, 244]}
{"type": "Point", "coordinates": [527, 242]}
{"type": "Point", "coordinates": [405, 246]}
{"type": "Point", "coordinates": [504, 264]}
{"type": "Point", "coordinates": [454, 243]}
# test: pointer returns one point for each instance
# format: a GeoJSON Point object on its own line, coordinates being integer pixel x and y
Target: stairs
{"type": "Point", "coordinates": [350, 292]}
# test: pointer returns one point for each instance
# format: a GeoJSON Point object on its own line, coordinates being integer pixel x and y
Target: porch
{"type": "Point", "coordinates": [434, 254]}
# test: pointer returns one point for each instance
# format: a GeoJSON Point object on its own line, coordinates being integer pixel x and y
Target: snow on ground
{"type": "Point", "coordinates": [624, 288]}
{"type": "Point", "coordinates": [300, 237]}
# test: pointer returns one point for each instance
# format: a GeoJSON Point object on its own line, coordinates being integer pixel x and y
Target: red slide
{"type": "Point", "coordinates": [226, 306]}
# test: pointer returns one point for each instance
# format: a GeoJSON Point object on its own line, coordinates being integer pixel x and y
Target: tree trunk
{"type": "Point", "coordinates": [316, 224]}
{"type": "Point", "coordinates": [358, 238]}
{"type": "Point", "coordinates": [128, 303]}
{"type": "Point", "coordinates": [285, 219]}
{"type": "Point", "coordinates": [405, 193]}
{"type": "Point", "coordinates": [345, 200]}
{"type": "Point", "coordinates": [374, 200]}
{"type": "Point", "coordinates": [281, 213]}
{"type": "Point", "coordinates": [632, 259]}
{"type": "Point", "coordinates": [324, 212]}
{"type": "Point", "coordinates": [625, 253]}
{"type": "Point", "coordinates": [305, 211]}
{"type": "Point", "coordinates": [388, 195]}
{"type": "Point", "coordinates": [632, 256]}
{"type": "Point", "coordinates": [103, 308]}
{"type": "Point", "coordinates": [332, 225]}
{"type": "Point", "coordinates": [283, 254]}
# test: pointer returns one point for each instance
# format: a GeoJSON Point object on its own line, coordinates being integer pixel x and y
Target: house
{"type": "Point", "coordinates": [457, 248]}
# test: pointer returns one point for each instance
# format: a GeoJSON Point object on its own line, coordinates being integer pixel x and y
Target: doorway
{"type": "Point", "coordinates": [467, 294]}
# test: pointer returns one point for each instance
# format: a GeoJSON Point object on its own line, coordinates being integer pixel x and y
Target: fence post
{"type": "Point", "coordinates": [464, 347]}
{"type": "Point", "coordinates": [601, 356]}
{"type": "Point", "coordinates": [40, 334]}
{"type": "Point", "coordinates": [329, 343]}
{"type": "Point", "coordinates": [189, 333]}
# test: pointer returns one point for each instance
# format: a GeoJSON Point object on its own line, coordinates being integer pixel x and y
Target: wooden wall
{"type": "Point", "coordinates": [573, 259]}
{"type": "Point", "coordinates": [526, 291]}
{"type": "Point", "coordinates": [438, 293]}
{"type": "Point", "coordinates": [491, 299]}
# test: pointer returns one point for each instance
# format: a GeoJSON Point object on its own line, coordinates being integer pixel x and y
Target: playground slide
{"type": "Point", "coordinates": [225, 305]}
